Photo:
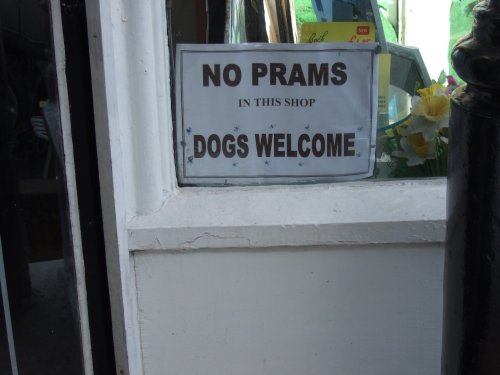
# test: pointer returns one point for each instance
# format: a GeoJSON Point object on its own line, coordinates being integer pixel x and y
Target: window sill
{"type": "Point", "coordinates": [366, 212]}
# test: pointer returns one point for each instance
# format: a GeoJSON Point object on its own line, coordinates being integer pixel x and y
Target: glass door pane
{"type": "Point", "coordinates": [34, 220]}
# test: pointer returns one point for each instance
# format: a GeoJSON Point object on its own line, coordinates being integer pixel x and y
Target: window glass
{"type": "Point", "coordinates": [413, 123]}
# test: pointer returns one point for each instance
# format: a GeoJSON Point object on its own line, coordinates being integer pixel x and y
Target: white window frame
{"type": "Point", "coordinates": [145, 209]}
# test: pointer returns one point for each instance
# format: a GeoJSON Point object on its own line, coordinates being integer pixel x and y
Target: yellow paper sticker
{"type": "Point", "coordinates": [353, 32]}
{"type": "Point", "coordinates": [384, 78]}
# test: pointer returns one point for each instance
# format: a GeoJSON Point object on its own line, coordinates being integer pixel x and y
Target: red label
{"type": "Point", "coordinates": [363, 30]}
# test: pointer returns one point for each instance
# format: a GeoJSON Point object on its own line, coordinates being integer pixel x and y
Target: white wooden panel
{"type": "Point", "coordinates": [321, 311]}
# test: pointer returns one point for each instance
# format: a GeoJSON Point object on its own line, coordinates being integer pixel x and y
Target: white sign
{"type": "Point", "coordinates": [277, 113]}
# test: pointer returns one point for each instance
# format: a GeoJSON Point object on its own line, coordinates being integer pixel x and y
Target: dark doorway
{"type": "Point", "coordinates": [35, 230]}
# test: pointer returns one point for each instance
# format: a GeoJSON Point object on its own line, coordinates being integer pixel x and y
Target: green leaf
{"type": "Point", "coordinates": [442, 77]}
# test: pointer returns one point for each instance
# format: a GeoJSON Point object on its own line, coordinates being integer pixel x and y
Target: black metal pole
{"type": "Point", "coordinates": [471, 328]}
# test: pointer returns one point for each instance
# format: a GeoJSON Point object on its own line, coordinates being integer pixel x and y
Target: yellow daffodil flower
{"type": "Point", "coordinates": [433, 108]}
{"type": "Point", "coordinates": [434, 89]}
{"type": "Point", "coordinates": [424, 136]}
{"type": "Point", "coordinates": [416, 149]}
{"type": "Point", "coordinates": [430, 113]}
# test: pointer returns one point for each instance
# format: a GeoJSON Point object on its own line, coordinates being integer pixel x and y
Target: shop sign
{"type": "Point", "coordinates": [280, 113]}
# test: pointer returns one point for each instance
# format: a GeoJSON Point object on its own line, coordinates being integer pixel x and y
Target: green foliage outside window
{"type": "Point", "coordinates": [461, 18]}
{"type": "Point", "coordinates": [390, 30]}
{"type": "Point", "coordinates": [304, 11]}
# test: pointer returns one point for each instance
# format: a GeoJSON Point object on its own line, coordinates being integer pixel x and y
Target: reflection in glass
{"type": "Point", "coordinates": [34, 223]}
{"type": "Point", "coordinates": [267, 21]}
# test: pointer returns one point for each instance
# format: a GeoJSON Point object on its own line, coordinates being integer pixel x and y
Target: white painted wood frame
{"type": "Point", "coordinates": [144, 209]}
